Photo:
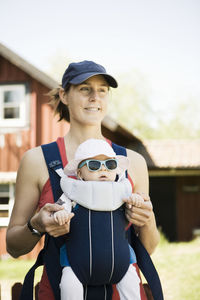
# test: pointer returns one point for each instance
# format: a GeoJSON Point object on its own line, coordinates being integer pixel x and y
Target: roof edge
{"type": "Point", "coordinates": [27, 67]}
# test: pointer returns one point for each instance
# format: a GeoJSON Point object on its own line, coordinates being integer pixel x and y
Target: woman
{"type": "Point", "coordinates": [83, 98]}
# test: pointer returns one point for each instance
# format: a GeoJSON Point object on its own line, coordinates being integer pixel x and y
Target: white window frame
{"type": "Point", "coordinates": [24, 118]}
{"type": "Point", "coordinates": [10, 194]}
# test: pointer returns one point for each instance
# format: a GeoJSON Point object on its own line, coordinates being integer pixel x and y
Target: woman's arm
{"type": "Point", "coordinates": [142, 217]}
{"type": "Point", "coordinates": [32, 174]}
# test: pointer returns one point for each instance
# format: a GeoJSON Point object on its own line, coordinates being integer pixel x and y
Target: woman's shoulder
{"type": "Point", "coordinates": [137, 167]}
{"type": "Point", "coordinates": [33, 156]}
{"type": "Point", "coordinates": [33, 167]}
{"type": "Point", "coordinates": [32, 163]}
{"type": "Point", "coordinates": [135, 157]}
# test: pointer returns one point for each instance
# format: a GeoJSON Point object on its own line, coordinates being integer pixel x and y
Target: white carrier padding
{"type": "Point", "coordinates": [66, 203]}
{"type": "Point", "coordinates": [96, 195]}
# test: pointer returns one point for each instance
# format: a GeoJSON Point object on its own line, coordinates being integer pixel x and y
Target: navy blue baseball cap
{"type": "Point", "coordinates": [76, 73]}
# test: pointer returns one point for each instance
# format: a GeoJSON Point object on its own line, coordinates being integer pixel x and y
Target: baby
{"type": "Point", "coordinates": [97, 231]}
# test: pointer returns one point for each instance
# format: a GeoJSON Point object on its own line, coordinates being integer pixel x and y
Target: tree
{"type": "Point", "coordinates": [57, 65]}
{"type": "Point", "coordinates": [129, 103]}
{"type": "Point", "coordinates": [184, 122]}
{"type": "Point", "coordinates": [131, 107]}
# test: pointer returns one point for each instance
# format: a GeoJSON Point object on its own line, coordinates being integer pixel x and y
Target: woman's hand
{"type": "Point", "coordinates": [139, 216]}
{"type": "Point", "coordinates": [44, 220]}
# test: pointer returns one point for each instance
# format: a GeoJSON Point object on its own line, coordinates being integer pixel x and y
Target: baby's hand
{"type": "Point", "coordinates": [135, 200]}
{"type": "Point", "coordinates": [62, 217]}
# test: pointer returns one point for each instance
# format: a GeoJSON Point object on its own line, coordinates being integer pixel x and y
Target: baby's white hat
{"type": "Point", "coordinates": [91, 148]}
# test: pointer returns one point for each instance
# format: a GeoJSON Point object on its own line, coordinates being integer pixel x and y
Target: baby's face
{"type": "Point", "coordinates": [101, 175]}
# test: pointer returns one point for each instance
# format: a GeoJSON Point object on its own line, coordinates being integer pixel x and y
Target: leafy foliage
{"type": "Point", "coordinates": [131, 106]}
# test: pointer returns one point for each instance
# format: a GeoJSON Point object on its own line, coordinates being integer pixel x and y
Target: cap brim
{"type": "Point", "coordinates": [82, 77]}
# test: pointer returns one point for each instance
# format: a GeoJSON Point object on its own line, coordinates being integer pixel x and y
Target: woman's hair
{"type": "Point", "coordinates": [55, 102]}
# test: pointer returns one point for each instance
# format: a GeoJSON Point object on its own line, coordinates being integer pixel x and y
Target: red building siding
{"type": "Point", "coordinates": [43, 126]}
{"type": "Point", "coordinates": [11, 154]}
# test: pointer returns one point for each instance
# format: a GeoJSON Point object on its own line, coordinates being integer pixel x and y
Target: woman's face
{"type": "Point", "coordinates": [87, 102]}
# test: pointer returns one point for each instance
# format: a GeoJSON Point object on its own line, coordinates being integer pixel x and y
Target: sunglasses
{"type": "Point", "coordinates": [95, 164]}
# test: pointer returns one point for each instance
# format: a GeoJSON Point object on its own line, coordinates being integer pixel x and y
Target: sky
{"type": "Point", "coordinates": [160, 39]}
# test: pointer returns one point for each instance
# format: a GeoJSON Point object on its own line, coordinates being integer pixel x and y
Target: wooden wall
{"type": "Point", "coordinates": [176, 203]}
{"type": "Point", "coordinates": [163, 197]}
{"type": "Point", "coordinates": [11, 154]}
{"type": "Point", "coordinates": [188, 206]}
{"type": "Point", "coordinates": [43, 127]}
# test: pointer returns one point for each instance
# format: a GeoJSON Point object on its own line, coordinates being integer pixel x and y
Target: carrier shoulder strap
{"type": "Point", "coordinates": [27, 288]}
{"type": "Point", "coordinates": [54, 271]}
{"type": "Point", "coordinates": [53, 161]}
{"type": "Point", "coordinates": [143, 258]}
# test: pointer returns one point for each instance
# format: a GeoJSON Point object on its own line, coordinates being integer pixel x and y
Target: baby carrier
{"type": "Point", "coordinates": [49, 255]}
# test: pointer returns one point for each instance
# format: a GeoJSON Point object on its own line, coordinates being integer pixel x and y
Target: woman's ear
{"type": "Point", "coordinates": [63, 96]}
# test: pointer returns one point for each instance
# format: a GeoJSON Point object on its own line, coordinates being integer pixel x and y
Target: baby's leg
{"type": "Point", "coordinates": [129, 285]}
{"type": "Point", "coordinates": [70, 286]}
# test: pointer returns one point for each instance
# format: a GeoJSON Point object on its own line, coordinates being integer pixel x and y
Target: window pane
{"type": "Point", "coordinates": [4, 200]}
{"type": "Point", "coordinates": [4, 213]}
{"type": "Point", "coordinates": [12, 97]}
{"type": "Point", "coordinates": [11, 113]}
{"type": "Point", "coordinates": [4, 188]}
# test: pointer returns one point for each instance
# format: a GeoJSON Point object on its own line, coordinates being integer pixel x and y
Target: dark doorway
{"type": "Point", "coordinates": [163, 193]}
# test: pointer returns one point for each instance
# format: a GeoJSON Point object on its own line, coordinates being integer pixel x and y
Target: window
{"type": "Point", "coordinates": [6, 203]}
{"type": "Point", "coordinates": [14, 105]}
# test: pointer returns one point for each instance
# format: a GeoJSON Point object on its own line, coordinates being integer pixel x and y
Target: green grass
{"type": "Point", "coordinates": [16, 269]}
{"type": "Point", "coordinates": [178, 265]}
